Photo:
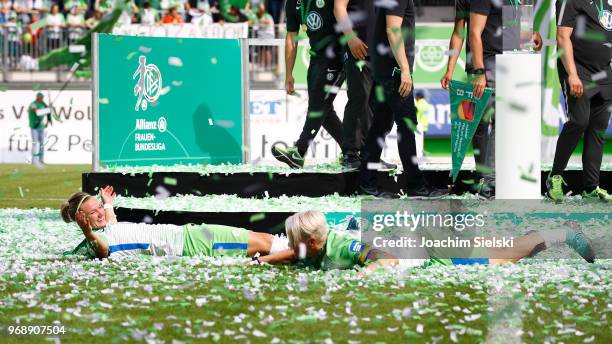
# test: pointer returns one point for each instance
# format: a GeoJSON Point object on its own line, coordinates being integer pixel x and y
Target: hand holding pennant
{"type": "Point", "coordinates": [466, 113]}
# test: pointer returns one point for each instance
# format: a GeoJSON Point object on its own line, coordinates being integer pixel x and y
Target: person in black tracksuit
{"type": "Point", "coordinates": [462, 21]}
{"type": "Point", "coordinates": [585, 73]}
{"type": "Point", "coordinates": [325, 73]}
{"type": "Point", "coordinates": [392, 98]}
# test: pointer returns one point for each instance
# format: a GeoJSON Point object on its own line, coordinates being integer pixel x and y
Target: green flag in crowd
{"type": "Point", "coordinates": [63, 56]}
{"type": "Point", "coordinates": [466, 112]}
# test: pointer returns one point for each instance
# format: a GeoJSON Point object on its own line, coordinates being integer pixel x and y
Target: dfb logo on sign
{"type": "Point", "coordinates": [314, 21]}
{"type": "Point", "coordinates": [149, 84]}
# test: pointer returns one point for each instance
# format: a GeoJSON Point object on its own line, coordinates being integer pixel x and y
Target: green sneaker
{"type": "Point", "coordinates": [554, 184]}
{"type": "Point", "coordinates": [290, 156]}
{"type": "Point", "coordinates": [580, 243]}
{"type": "Point", "coordinates": [598, 193]}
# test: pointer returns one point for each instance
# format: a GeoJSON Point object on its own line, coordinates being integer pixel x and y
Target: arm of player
{"type": "Point", "coordinates": [396, 42]}
{"type": "Point", "coordinates": [95, 243]}
{"type": "Point", "coordinates": [564, 42]}
{"type": "Point", "coordinates": [290, 54]}
{"type": "Point", "coordinates": [455, 45]}
{"type": "Point", "coordinates": [357, 47]}
{"type": "Point", "coordinates": [376, 259]}
{"type": "Point", "coordinates": [283, 257]}
{"type": "Point", "coordinates": [477, 24]}
{"type": "Point", "coordinates": [108, 197]}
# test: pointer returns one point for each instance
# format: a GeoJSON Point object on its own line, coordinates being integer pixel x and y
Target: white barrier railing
{"type": "Point", "coordinates": [187, 30]}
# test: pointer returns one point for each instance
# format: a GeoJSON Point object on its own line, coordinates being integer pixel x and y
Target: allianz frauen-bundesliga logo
{"type": "Point", "coordinates": [149, 85]}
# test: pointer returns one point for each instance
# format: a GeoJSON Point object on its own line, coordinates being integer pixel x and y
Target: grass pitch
{"type": "Point", "coordinates": [199, 299]}
{"type": "Point", "coordinates": [25, 186]}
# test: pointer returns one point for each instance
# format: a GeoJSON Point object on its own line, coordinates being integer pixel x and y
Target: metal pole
{"type": "Point", "coordinates": [95, 102]}
{"type": "Point", "coordinates": [246, 137]}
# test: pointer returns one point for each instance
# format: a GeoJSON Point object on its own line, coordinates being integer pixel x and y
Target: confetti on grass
{"type": "Point", "coordinates": [202, 299]}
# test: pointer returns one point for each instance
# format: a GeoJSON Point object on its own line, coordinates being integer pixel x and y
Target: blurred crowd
{"type": "Point", "coordinates": [32, 28]}
{"type": "Point", "coordinates": [20, 16]}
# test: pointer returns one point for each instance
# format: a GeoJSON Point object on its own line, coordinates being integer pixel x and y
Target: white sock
{"type": "Point", "coordinates": [553, 237]}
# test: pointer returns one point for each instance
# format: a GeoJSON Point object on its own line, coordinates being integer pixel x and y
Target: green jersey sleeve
{"type": "Point", "coordinates": [344, 252]}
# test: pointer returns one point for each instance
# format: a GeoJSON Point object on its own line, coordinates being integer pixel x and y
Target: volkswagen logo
{"type": "Point", "coordinates": [314, 21]}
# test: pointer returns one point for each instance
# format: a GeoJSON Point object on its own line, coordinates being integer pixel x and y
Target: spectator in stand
{"type": "Point", "coordinates": [42, 6]}
{"type": "Point", "coordinates": [75, 18]}
{"type": "Point", "coordinates": [92, 21]}
{"type": "Point", "coordinates": [55, 24]}
{"type": "Point", "coordinates": [215, 11]}
{"type": "Point", "coordinates": [130, 16]}
{"type": "Point", "coordinates": [23, 9]}
{"type": "Point", "coordinates": [81, 4]}
{"type": "Point", "coordinates": [201, 16]}
{"type": "Point", "coordinates": [13, 31]}
{"type": "Point", "coordinates": [264, 28]}
{"type": "Point", "coordinates": [103, 6]}
{"type": "Point", "coordinates": [265, 22]}
{"type": "Point", "coordinates": [276, 8]}
{"type": "Point", "coordinates": [34, 35]}
{"type": "Point", "coordinates": [5, 8]}
{"type": "Point", "coordinates": [181, 6]}
{"type": "Point", "coordinates": [75, 21]}
{"type": "Point", "coordinates": [247, 11]}
{"type": "Point", "coordinates": [172, 17]}
{"type": "Point", "coordinates": [149, 16]}
{"type": "Point", "coordinates": [235, 15]}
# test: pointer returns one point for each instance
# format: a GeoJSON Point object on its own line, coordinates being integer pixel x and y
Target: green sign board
{"type": "Point", "coordinates": [169, 101]}
{"type": "Point", "coordinates": [429, 62]}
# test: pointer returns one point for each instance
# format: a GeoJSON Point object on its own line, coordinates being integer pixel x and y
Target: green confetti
{"type": "Point", "coordinates": [315, 114]}
{"type": "Point", "coordinates": [257, 217]}
{"type": "Point", "coordinates": [380, 93]}
{"type": "Point", "coordinates": [487, 116]}
{"type": "Point", "coordinates": [411, 125]}
{"type": "Point", "coordinates": [21, 192]}
{"type": "Point", "coordinates": [594, 36]}
{"type": "Point", "coordinates": [213, 60]}
{"type": "Point", "coordinates": [169, 181]}
{"type": "Point", "coordinates": [131, 55]}
{"type": "Point", "coordinates": [360, 64]}
{"type": "Point", "coordinates": [16, 175]}
{"type": "Point", "coordinates": [345, 38]}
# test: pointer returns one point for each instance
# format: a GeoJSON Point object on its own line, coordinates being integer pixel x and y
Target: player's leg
{"type": "Point", "coordinates": [357, 112]}
{"type": "Point", "coordinates": [537, 241]}
{"type": "Point", "coordinates": [382, 122]}
{"type": "Point", "coordinates": [578, 110]}
{"type": "Point", "coordinates": [322, 72]}
{"type": "Point", "coordinates": [594, 141]}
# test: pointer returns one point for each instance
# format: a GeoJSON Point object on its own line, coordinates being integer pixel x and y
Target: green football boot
{"type": "Point", "coordinates": [598, 193]}
{"type": "Point", "coordinates": [554, 184]}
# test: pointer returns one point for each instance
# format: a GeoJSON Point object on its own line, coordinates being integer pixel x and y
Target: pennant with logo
{"type": "Point", "coordinates": [466, 112]}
